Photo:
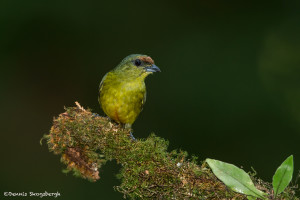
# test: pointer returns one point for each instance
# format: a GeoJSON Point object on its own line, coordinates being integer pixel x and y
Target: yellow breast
{"type": "Point", "coordinates": [122, 100]}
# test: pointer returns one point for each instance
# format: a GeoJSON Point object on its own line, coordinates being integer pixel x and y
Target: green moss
{"type": "Point", "coordinates": [86, 142]}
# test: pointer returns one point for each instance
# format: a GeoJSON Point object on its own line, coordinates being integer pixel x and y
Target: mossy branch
{"type": "Point", "coordinates": [86, 141]}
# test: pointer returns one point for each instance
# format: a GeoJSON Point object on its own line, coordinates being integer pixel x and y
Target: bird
{"type": "Point", "coordinates": [122, 91]}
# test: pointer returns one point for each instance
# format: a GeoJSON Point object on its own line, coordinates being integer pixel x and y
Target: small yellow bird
{"type": "Point", "coordinates": [122, 91]}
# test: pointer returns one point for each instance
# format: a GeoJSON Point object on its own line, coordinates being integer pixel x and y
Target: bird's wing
{"type": "Point", "coordinates": [143, 101]}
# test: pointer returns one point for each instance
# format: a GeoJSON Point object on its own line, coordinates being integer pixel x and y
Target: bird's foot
{"type": "Point", "coordinates": [96, 115]}
{"type": "Point", "coordinates": [132, 137]}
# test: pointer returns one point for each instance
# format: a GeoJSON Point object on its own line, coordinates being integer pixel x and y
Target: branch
{"type": "Point", "coordinates": [86, 141]}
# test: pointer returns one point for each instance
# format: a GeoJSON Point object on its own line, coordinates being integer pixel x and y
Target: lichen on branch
{"type": "Point", "coordinates": [86, 141]}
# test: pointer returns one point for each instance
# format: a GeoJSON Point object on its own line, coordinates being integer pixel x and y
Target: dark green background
{"type": "Point", "coordinates": [229, 87]}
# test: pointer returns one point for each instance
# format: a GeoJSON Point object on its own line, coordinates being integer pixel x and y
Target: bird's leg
{"type": "Point", "coordinates": [132, 137]}
{"type": "Point", "coordinates": [128, 126]}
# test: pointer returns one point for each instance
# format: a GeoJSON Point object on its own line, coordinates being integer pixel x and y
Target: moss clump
{"type": "Point", "coordinates": [87, 141]}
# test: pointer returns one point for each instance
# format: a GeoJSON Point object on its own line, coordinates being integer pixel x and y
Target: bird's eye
{"type": "Point", "coordinates": [137, 62]}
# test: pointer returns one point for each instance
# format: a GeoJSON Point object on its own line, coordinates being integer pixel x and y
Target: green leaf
{"type": "Point", "coordinates": [251, 198]}
{"type": "Point", "coordinates": [283, 175]}
{"type": "Point", "coordinates": [235, 178]}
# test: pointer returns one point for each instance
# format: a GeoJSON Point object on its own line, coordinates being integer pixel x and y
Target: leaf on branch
{"type": "Point", "coordinates": [235, 178]}
{"type": "Point", "coordinates": [283, 175]}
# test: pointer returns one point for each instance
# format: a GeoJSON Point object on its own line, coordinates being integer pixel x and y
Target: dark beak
{"type": "Point", "coordinates": [152, 68]}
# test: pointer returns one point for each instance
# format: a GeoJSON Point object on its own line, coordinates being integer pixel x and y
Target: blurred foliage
{"type": "Point", "coordinates": [280, 64]}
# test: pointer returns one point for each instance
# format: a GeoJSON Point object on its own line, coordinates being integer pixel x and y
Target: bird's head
{"type": "Point", "coordinates": [137, 65]}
